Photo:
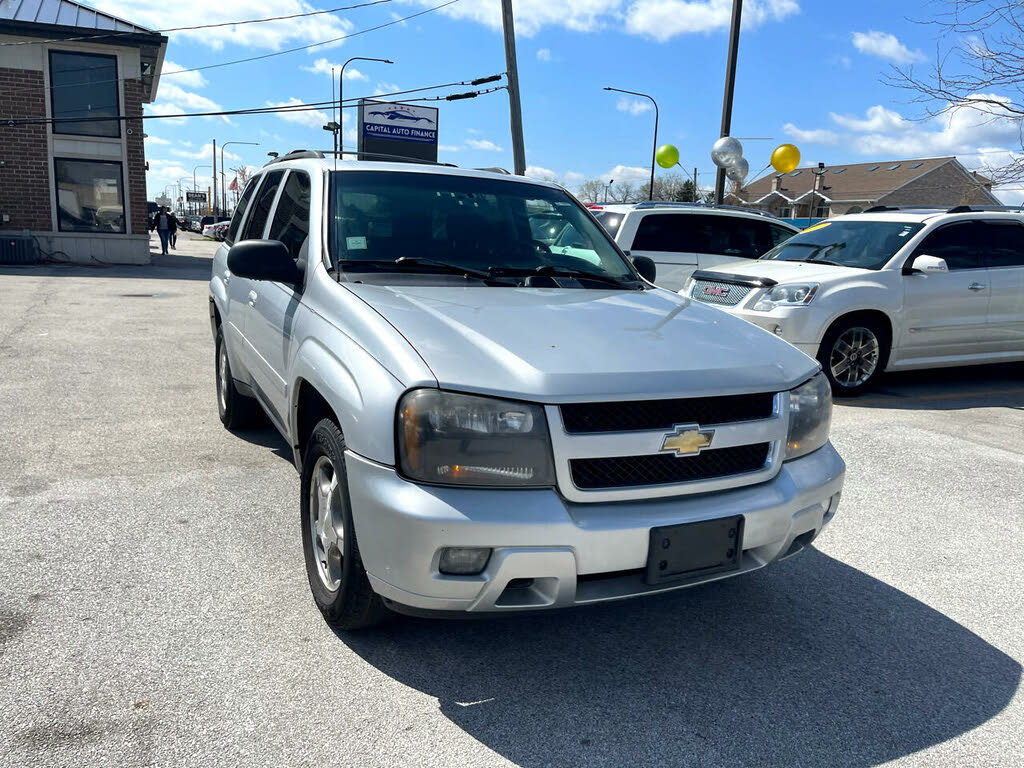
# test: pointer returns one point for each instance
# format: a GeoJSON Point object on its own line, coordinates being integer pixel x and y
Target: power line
{"type": "Point", "coordinates": [257, 58]}
{"type": "Point", "coordinates": [279, 109]}
{"type": "Point", "coordinates": [121, 33]}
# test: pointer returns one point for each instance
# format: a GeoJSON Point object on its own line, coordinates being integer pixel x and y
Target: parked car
{"type": "Point", "coordinates": [886, 291]}
{"type": "Point", "coordinates": [206, 221]}
{"type": "Point", "coordinates": [485, 425]}
{"type": "Point", "coordinates": [683, 237]}
{"type": "Point", "coordinates": [216, 231]}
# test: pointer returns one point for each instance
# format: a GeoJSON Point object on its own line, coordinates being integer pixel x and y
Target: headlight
{"type": "Point", "coordinates": [810, 415]}
{"type": "Point", "coordinates": [687, 286]}
{"type": "Point", "coordinates": [451, 439]}
{"type": "Point", "coordinates": [787, 296]}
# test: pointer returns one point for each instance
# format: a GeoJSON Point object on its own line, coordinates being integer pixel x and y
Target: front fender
{"type": "Point", "coordinates": [361, 392]}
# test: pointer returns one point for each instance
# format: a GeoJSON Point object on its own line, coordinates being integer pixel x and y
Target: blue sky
{"type": "Point", "coordinates": [809, 73]}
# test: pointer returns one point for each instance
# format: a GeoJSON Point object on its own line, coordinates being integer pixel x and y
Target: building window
{"type": "Point", "coordinates": [785, 212]}
{"type": "Point", "coordinates": [83, 87]}
{"type": "Point", "coordinates": [821, 212]}
{"type": "Point", "coordinates": [90, 196]}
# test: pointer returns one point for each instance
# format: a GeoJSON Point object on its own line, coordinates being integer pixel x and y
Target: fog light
{"type": "Point", "coordinates": [463, 561]}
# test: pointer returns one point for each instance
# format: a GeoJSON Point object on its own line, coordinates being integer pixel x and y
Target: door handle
{"type": "Point", "coordinates": [976, 287]}
{"type": "Point", "coordinates": [252, 298]}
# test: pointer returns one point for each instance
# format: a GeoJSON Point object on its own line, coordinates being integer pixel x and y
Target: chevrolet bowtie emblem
{"type": "Point", "coordinates": [687, 441]}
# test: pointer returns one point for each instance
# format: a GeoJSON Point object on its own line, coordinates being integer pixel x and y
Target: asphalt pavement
{"type": "Point", "coordinates": [154, 608]}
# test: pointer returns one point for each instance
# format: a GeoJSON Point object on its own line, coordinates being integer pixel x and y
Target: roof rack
{"type": "Point", "coordinates": [296, 154]}
{"type": "Point", "coordinates": [983, 208]}
{"type": "Point", "coordinates": [495, 169]}
{"type": "Point", "coordinates": [675, 204]}
{"type": "Point", "coordinates": [880, 208]}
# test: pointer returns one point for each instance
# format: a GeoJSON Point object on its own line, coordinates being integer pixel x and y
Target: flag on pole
{"type": "Point", "coordinates": [233, 187]}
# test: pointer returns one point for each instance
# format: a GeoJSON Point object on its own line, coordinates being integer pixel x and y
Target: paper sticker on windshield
{"type": "Point", "coordinates": [822, 225]}
{"type": "Point", "coordinates": [355, 243]}
{"type": "Point", "coordinates": [906, 230]}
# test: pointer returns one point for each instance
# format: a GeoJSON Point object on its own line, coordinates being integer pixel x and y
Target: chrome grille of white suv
{"type": "Point", "coordinates": [723, 294]}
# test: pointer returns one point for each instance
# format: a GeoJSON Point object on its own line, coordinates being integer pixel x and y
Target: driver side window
{"type": "Point", "coordinates": [958, 244]}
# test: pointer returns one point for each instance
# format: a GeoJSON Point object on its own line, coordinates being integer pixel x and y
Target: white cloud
{"type": "Point", "coordinates": [324, 66]}
{"type": "Point", "coordinates": [274, 35]}
{"type": "Point", "coordinates": [310, 118]}
{"type": "Point", "coordinates": [818, 136]}
{"type": "Point", "coordinates": [483, 144]}
{"type": "Point", "coordinates": [544, 54]}
{"type": "Point", "coordinates": [383, 87]}
{"type": "Point", "coordinates": [540, 172]}
{"type": "Point", "coordinates": [573, 177]}
{"type": "Point", "coordinates": [884, 45]}
{"type": "Point", "coordinates": [192, 101]}
{"type": "Point", "coordinates": [633, 106]}
{"type": "Point", "coordinates": [206, 152]}
{"type": "Point", "coordinates": [534, 15]}
{"type": "Point", "coordinates": [183, 79]}
{"type": "Point", "coordinates": [166, 109]}
{"type": "Point", "coordinates": [155, 141]}
{"type": "Point", "coordinates": [627, 173]}
{"type": "Point", "coordinates": [448, 147]}
{"type": "Point", "coordinates": [879, 119]}
{"type": "Point", "coordinates": [665, 19]}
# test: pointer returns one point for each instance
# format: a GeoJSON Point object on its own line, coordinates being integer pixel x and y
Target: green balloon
{"type": "Point", "coordinates": [667, 156]}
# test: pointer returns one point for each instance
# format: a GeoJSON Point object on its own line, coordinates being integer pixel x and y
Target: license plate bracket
{"type": "Point", "coordinates": [689, 550]}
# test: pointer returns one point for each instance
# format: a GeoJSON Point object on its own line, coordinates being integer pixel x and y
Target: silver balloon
{"type": "Point", "coordinates": [738, 171]}
{"type": "Point", "coordinates": [726, 151]}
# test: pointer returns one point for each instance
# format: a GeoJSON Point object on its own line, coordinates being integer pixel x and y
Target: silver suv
{"type": "Point", "coordinates": [485, 424]}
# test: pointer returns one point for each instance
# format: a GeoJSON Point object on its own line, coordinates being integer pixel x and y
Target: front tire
{"type": "Point", "coordinates": [337, 578]}
{"type": "Point", "coordinates": [236, 411]}
{"type": "Point", "coordinates": [853, 355]}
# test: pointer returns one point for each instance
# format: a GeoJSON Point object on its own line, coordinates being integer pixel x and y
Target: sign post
{"type": "Point", "coordinates": [394, 131]}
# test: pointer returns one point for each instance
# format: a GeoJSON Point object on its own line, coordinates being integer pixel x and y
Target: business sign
{"type": "Point", "coordinates": [163, 200]}
{"type": "Point", "coordinates": [392, 131]}
{"type": "Point", "coordinates": [195, 197]}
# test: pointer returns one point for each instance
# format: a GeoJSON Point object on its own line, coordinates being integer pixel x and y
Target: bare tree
{"type": "Point", "coordinates": [243, 173]}
{"type": "Point", "coordinates": [591, 191]}
{"type": "Point", "coordinates": [983, 70]}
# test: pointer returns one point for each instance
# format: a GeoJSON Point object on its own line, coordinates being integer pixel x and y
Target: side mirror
{"type": "Point", "coordinates": [928, 265]}
{"type": "Point", "coordinates": [264, 260]}
{"type": "Point", "coordinates": [645, 266]}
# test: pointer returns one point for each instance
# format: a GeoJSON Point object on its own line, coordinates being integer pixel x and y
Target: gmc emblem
{"type": "Point", "coordinates": [721, 291]}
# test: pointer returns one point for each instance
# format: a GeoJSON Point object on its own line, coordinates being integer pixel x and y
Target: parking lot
{"type": "Point", "coordinates": [154, 608]}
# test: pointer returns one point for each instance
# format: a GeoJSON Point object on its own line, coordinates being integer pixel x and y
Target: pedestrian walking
{"type": "Point", "coordinates": [165, 224]}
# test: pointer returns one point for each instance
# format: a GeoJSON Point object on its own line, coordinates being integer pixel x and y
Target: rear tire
{"type": "Point", "coordinates": [853, 355]}
{"type": "Point", "coordinates": [236, 411]}
{"type": "Point", "coordinates": [337, 578]}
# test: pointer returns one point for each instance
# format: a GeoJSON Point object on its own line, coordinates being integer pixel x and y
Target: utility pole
{"type": "Point", "coordinates": [214, 180]}
{"type": "Point", "coordinates": [515, 108]}
{"type": "Point", "coordinates": [695, 185]}
{"type": "Point", "coordinates": [730, 83]}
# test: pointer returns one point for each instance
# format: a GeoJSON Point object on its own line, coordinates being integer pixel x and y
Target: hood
{"type": "Point", "coordinates": [790, 271]}
{"type": "Point", "coordinates": [558, 345]}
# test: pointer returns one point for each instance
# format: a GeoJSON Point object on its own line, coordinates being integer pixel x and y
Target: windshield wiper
{"type": "Point", "coordinates": [552, 271]}
{"type": "Point", "coordinates": [817, 261]}
{"type": "Point", "coordinates": [445, 265]}
{"type": "Point", "coordinates": [403, 263]}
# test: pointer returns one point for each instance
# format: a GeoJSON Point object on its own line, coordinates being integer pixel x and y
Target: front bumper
{"type": "Point", "coordinates": [574, 553]}
{"type": "Point", "coordinates": [802, 327]}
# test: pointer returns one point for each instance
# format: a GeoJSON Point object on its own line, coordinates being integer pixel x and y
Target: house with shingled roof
{"type": "Point", "coordinates": [72, 160]}
{"type": "Point", "coordinates": [931, 182]}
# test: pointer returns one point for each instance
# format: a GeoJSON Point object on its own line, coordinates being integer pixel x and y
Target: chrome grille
{"type": "Point", "coordinates": [723, 294]}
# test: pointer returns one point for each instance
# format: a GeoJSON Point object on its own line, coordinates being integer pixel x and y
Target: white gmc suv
{"type": "Point", "coordinates": [484, 424]}
{"type": "Point", "coordinates": [886, 290]}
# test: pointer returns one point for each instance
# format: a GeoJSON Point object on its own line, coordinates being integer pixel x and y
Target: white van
{"type": "Point", "coordinates": [684, 237]}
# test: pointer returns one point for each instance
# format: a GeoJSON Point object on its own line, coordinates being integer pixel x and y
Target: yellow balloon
{"type": "Point", "coordinates": [785, 158]}
{"type": "Point", "coordinates": [667, 156]}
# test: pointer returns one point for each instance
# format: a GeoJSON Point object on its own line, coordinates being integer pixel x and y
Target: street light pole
{"type": "Point", "coordinates": [654, 151]}
{"type": "Point", "coordinates": [730, 84]}
{"type": "Point", "coordinates": [340, 136]}
{"type": "Point", "coordinates": [515, 106]}
{"type": "Point", "coordinates": [194, 187]}
{"type": "Point", "coordinates": [222, 146]}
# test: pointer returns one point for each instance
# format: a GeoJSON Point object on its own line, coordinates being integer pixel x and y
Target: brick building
{"type": "Point", "coordinates": [934, 182]}
{"type": "Point", "coordinates": [74, 178]}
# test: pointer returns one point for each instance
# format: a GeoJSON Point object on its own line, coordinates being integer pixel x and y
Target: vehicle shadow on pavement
{"type": "Point", "coordinates": [944, 389]}
{"type": "Point", "coordinates": [811, 662]}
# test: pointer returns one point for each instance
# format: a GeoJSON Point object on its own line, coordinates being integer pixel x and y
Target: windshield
{"type": "Point", "coordinates": [489, 226]}
{"type": "Point", "coordinates": [863, 244]}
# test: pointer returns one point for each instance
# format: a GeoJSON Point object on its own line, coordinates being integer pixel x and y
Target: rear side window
{"type": "Point", "coordinates": [236, 219]}
{"type": "Point", "coordinates": [291, 219]}
{"type": "Point", "coordinates": [958, 244]}
{"type": "Point", "coordinates": [610, 220]}
{"type": "Point", "coordinates": [261, 206]}
{"type": "Point", "coordinates": [668, 233]}
{"type": "Point", "coordinates": [737, 237]}
{"type": "Point", "coordinates": [1004, 244]}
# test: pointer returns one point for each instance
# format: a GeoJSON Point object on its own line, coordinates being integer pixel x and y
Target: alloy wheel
{"type": "Point", "coordinates": [326, 526]}
{"type": "Point", "coordinates": [854, 357]}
